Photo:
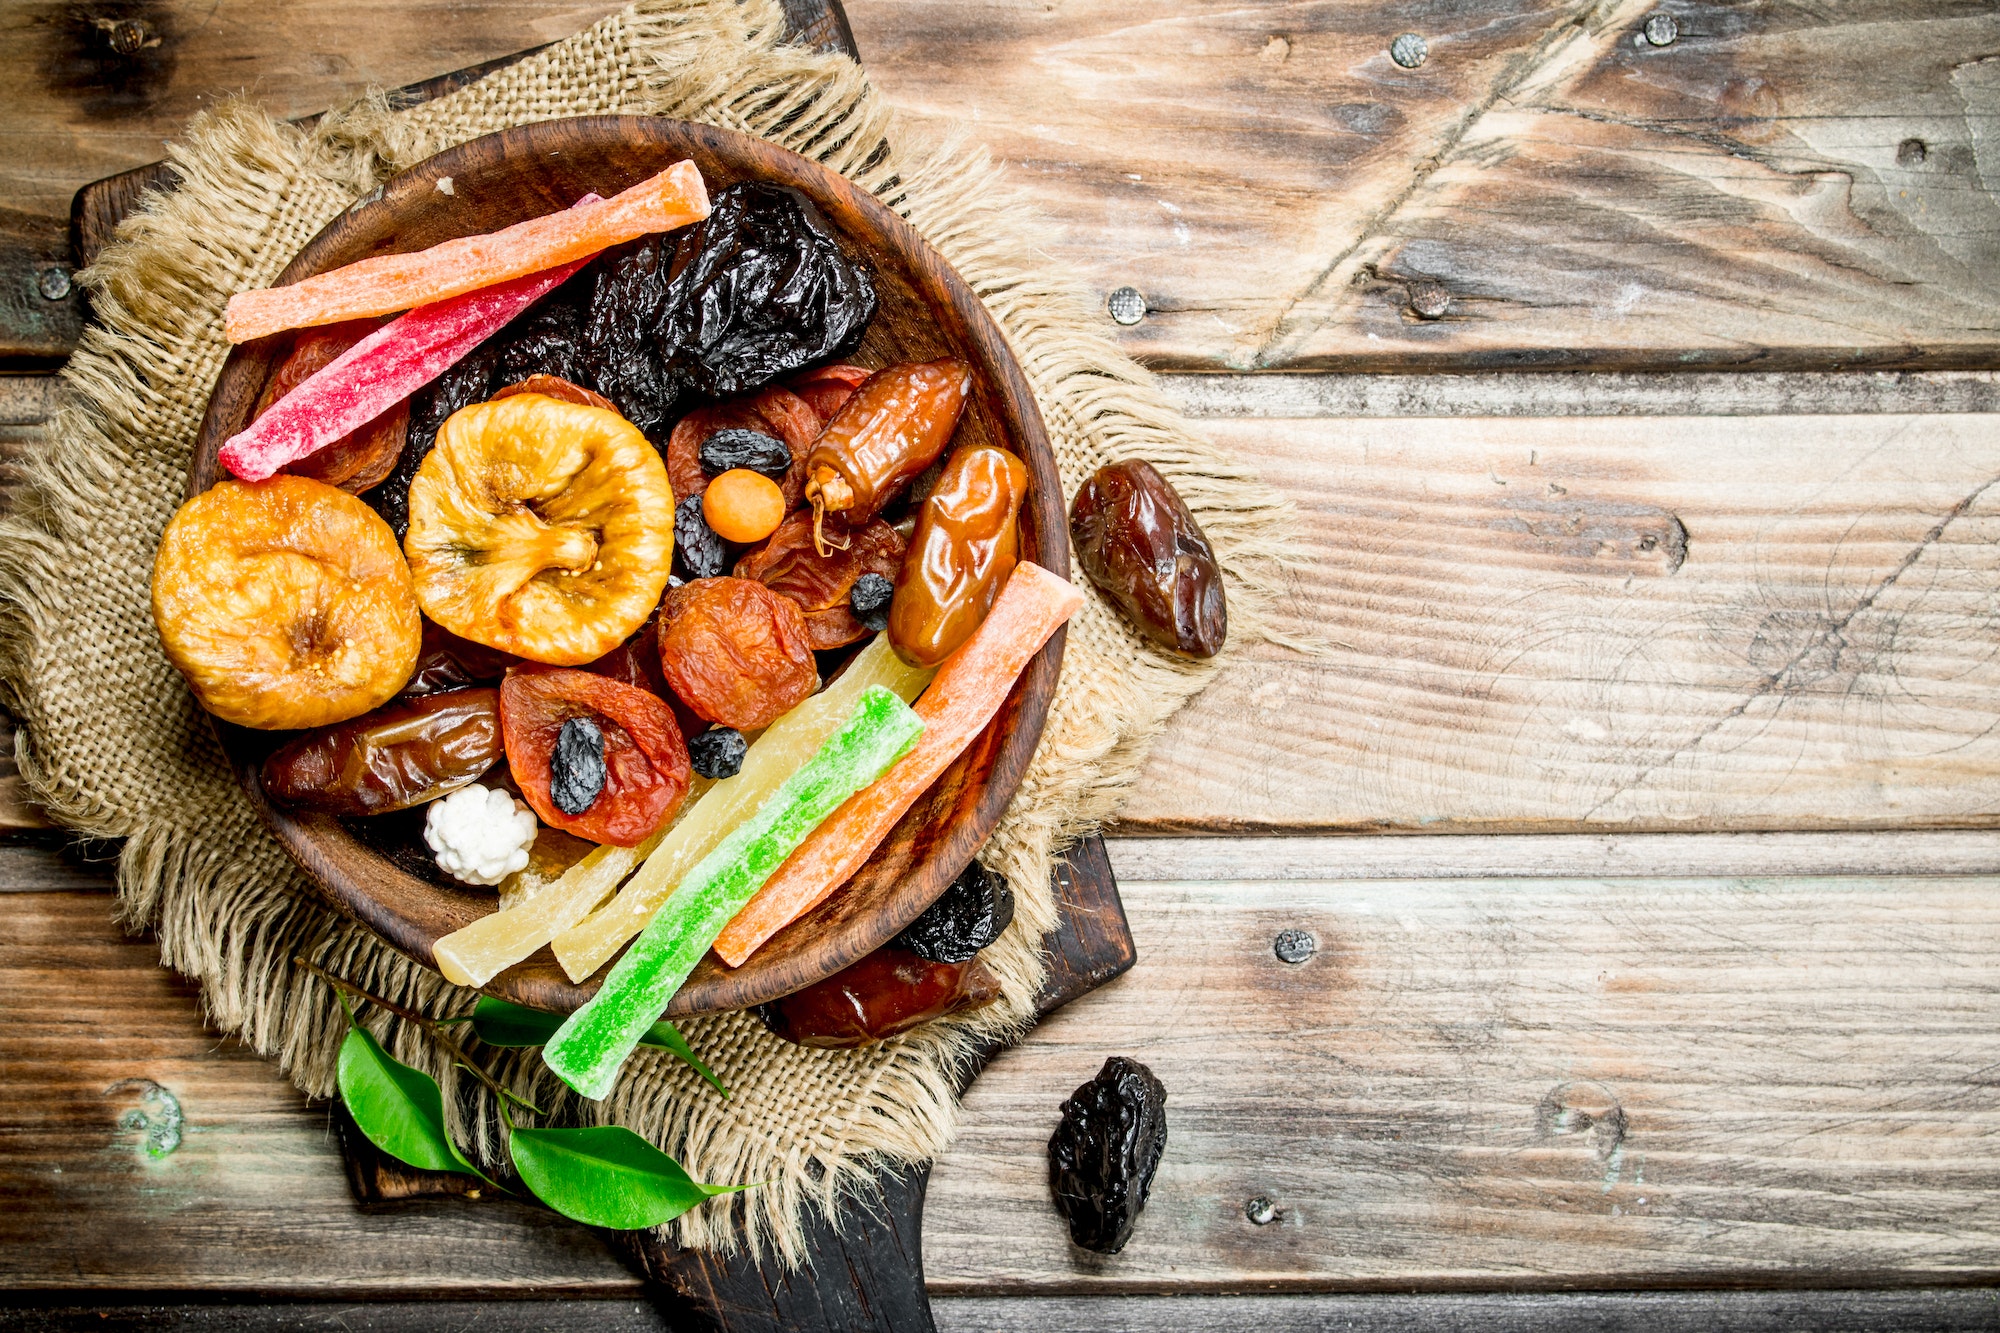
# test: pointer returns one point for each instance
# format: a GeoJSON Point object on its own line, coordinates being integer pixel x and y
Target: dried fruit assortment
{"type": "Point", "coordinates": [579, 512]}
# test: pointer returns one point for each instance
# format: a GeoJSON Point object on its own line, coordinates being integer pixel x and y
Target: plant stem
{"type": "Point", "coordinates": [429, 1025]}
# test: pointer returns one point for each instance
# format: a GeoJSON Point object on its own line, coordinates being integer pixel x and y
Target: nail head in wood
{"type": "Point", "coordinates": [1409, 50]}
{"type": "Point", "coordinates": [1261, 1211]}
{"type": "Point", "coordinates": [1661, 30]}
{"type": "Point", "coordinates": [1429, 300]}
{"type": "Point", "coordinates": [1912, 152]}
{"type": "Point", "coordinates": [1127, 305]}
{"type": "Point", "coordinates": [1294, 946]}
{"type": "Point", "coordinates": [54, 284]}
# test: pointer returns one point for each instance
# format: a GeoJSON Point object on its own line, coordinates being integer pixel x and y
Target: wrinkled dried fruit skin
{"type": "Point", "coordinates": [885, 994]}
{"type": "Point", "coordinates": [767, 291]}
{"type": "Point", "coordinates": [718, 752]}
{"type": "Point", "coordinates": [628, 341]}
{"type": "Point", "coordinates": [826, 389]}
{"type": "Point", "coordinates": [893, 428]}
{"type": "Point", "coordinates": [736, 652]}
{"type": "Point", "coordinates": [645, 759]}
{"type": "Point", "coordinates": [466, 383]}
{"type": "Point", "coordinates": [774, 412]}
{"type": "Point", "coordinates": [1137, 542]}
{"type": "Point", "coordinates": [541, 528]}
{"type": "Point", "coordinates": [576, 766]}
{"type": "Point", "coordinates": [966, 918]}
{"type": "Point", "coordinates": [365, 455]}
{"type": "Point", "coordinates": [822, 585]}
{"type": "Point", "coordinates": [698, 552]}
{"type": "Point", "coordinates": [1103, 1155]}
{"type": "Point", "coordinates": [555, 386]}
{"type": "Point", "coordinates": [447, 662]}
{"type": "Point", "coordinates": [390, 759]}
{"type": "Point", "coordinates": [752, 449]}
{"type": "Point", "coordinates": [869, 601]}
{"type": "Point", "coordinates": [285, 604]}
{"type": "Point", "coordinates": [965, 546]}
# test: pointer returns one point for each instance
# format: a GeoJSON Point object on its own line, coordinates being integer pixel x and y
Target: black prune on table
{"type": "Point", "coordinates": [767, 291]}
{"type": "Point", "coordinates": [1103, 1155]}
{"type": "Point", "coordinates": [576, 766]}
{"type": "Point", "coordinates": [717, 752]}
{"type": "Point", "coordinates": [869, 598]}
{"type": "Point", "coordinates": [698, 552]}
{"type": "Point", "coordinates": [737, 447]}
{"type": "Point", "coordinates": [966, 918]}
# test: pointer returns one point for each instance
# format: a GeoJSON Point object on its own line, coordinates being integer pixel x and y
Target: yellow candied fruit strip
{"type": "Point", "coordinates": [773, 757]}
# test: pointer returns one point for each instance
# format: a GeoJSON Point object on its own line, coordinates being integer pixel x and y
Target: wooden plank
{"type": "Point", "coordinates": [1780, 185]}
{"type": "Point", "coordinates": [1645, 623]}
{"type": "Point", "coordinates": [1520, 1084]}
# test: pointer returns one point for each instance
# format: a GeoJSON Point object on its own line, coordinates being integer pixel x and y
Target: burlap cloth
{"type": "Point", "coordinates": [114, 746]}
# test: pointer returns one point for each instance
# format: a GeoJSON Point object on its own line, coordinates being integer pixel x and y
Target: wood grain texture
{"type": "Point", "coordinates": [1780, 622]}
{"type": "Point", "coordinates": [1276, 185]}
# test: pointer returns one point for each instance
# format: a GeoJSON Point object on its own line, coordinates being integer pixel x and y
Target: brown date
{"type": "Point", "coordinates": [822, 584]}
{"type": "Point", "coordinates": [736, 652]}
{"type": "Point", "coordinates": [965, 546]}
{"type": "Point", "coordinates": [893, 428]}
{"type": "Point", "coordinates": [447, 662]}
{"type": "Point", "coordinates": [1138, 542]}
{"type": "Point", "coordinates": [887, 993]}
{"type": "Point", "coordinates": [395, 757]}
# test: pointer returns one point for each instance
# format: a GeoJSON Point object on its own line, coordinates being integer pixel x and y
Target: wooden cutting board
{"type": "Point", "coordinates": [865, 1269]}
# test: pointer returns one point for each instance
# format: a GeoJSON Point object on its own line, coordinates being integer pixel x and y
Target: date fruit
{"type": "Point", "coordinates": [893, 428]}
{"type": "Point", "coordinates": [967, 916]}
{"type": "Point", "coordinates": [1137, 542]}
{"type": "Point", "coordinates": [885, 994]}
{"type": "Point", "coordinates": [965, 546]}
{"type": "Point", "coordinates": [391, 759]}
{"type": "Point", "coordinates": [1103, 1155]}
{"type": "Point", "coordinates": [736, 652]}
{"type": "Point", "coordinates": [823, 585]}
{"type": "Point", "coordinates": [447, 662]}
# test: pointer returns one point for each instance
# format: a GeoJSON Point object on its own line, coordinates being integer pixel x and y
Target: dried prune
{"type": "Point", "coordinates": [545, 339]}
{"type": "Point", "coordinates": [698, 552]}
{"type": "Point", "coordinates": [966, 917]}
{"type": "Point", "coordinates": [628, 340]}
{"type": "Point", "coordinates": [736, 652]}
{"type": "Point", "coordinates": [576, 766]}
{"type": "Point", "coordinates": [889, 992]}
{"type": "Point", "coordinates": [737, 447]}
{"type": "Point", "coordinates": [718, 752]}
{"type": "Point", "coordinates": [1103, 1155]}
{"type": "Point", "coordinates": [1137, 541]}
{"type": "Point", "coordinates": [823, 585]}
{"type": "Point", "coordinates": [767, 291]}
{"type": "Point", "coordinates": [390, 759]}
{"type": "Point", "coordinates": [645, 761]}
{"type": "Point", "coordinates": [965, 546]}
{"type": "Point", "coordinates": [869, 600]}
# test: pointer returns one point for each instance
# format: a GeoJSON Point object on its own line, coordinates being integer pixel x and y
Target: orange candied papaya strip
{"type": "Point", "coordinates": [967, 692]}
{"type": "Point", "coordinates": [384, 284]}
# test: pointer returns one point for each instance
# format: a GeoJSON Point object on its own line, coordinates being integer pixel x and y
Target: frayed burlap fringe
{"type": "Point", "coordinates": [114, 747]}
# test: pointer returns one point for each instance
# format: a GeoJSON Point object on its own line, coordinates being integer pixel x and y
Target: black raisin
{"type": "Point", "coordinates": [870, 597]}
{"type": "Point", "coordinates": [576, 766]}
{"type": "Point", "coordinates": [698, 552]}
{"type": "Point", "coordinates": [737, 447]}
{"type": "Point", "coordinates": [717, 752]}
{"type": "Point", "coordinates": [966, 918]}
{"type": "Point", "coordinates": [1103, 1155]}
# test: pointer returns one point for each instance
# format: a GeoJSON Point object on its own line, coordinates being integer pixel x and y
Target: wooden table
{"type": "Point", "coordinates": [1641, 807]}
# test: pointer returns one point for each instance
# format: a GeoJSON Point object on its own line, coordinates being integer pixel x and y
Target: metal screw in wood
{"type": "Point", "coordinates": [1409, 50]}
{"type": "Point", "coordinates": [1429, 300]}
{"type": "Point", "coordinates": [1294, 946]}
{"type": "Point", "coordinates": [1661, 30]}
{"type": "Point", "coordinates": [1261, 1211]}
{"type": "Point", "coordinates": [54, 284]}
{"type": "Point", "coordinates": [1127, 305]}
{"type": "Point", "coordinates": [1912, 152]}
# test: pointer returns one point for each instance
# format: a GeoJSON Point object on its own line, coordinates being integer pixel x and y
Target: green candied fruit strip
{"type": "Point", "coordinates": [590, 1048]}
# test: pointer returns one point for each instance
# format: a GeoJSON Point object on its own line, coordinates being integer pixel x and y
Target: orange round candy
{"type": "Point", "coordinates": [743, 506]}
{"type": "Point", "coordinates": [285, 603]}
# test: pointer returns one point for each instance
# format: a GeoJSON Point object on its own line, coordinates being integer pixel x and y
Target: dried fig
{"type": "Point", "coordinates": [541, 528]}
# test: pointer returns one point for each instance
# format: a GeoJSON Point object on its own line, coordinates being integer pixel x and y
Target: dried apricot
{"type": "Point", "coordinates": [736, 652]}
{"type": "Point", "coordinates": [365, 455]}
{"type": "Point", "coordinates": [823, 585]}
{"type": "Point", "coordinates": [542, 528]}
{"type": "Point", "coordinates": [778, 413]}
{"type": "Point", "coordinates": [593, 757]}
{"type": "Point", "coordinates": [285, 603]}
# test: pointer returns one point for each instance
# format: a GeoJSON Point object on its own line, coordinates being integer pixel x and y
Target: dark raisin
{"type": "Point", "coordinates": [1103, 1155]}
{"type": "Point", "coordinates": [576, 766]}
{"type": "Point", "coordinates": [717, 752]}
{"type": "Point", "coordinates": [966, 918]}
{"type": "Point", "coordinates": [870, 599]}
{"type": "Point", "coordinates": [698, 552]}
{"type": "Point", "coordinates": [737, 447]}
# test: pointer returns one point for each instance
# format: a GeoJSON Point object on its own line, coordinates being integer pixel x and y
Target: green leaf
{"type": "Point", "coordinates": [399, 1108]}
{"type": "Point", "coordinates": [606, 1176]}
{"type": "Point", "coordinates": [499, 1023]}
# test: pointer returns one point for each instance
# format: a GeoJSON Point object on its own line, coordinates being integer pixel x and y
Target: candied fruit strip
{"type": "Point", "coordinates": [771, 758]}
{"type": "Point", "coordinates": [384, 284]}
{"type": "Point", "coordinates": [969, 689]}
{"type": "Point", "coordinates": [590, 1047]}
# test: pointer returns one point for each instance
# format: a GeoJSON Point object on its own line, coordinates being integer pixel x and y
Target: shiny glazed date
{"type": "Point", "coordinates": [395, 757]}
{"type": "Point", "coordinates": [893, 428]}
{"type": "Point", "coordinates": [736, 652]}
{"type": "Point", "coordinates": [965, 546]}
{"type": "Point", "coordinates": [1137, 541]}
{"type": "Point", "coordinates": [885, 994]}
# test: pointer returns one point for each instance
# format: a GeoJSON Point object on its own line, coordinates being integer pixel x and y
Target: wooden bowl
{"type": "Point", "coordinates": [926, 311]}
